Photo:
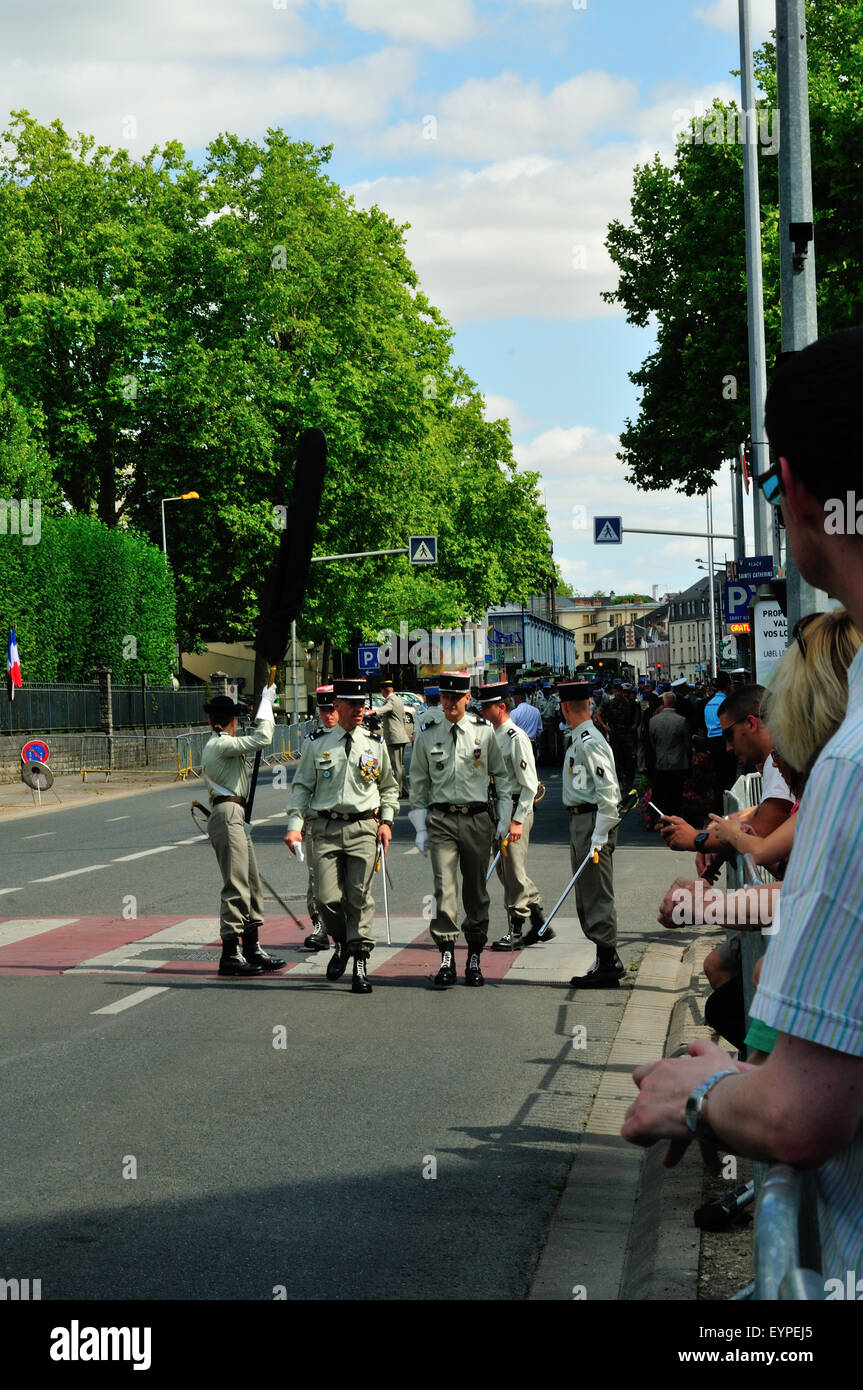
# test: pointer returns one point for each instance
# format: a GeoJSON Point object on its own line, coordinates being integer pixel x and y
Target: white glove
{"type": "Point", "coordinates": [265, 708]}
{"type": "Point", "coordinates": [418, 820]}
{"type": "Point", "coordinates": [604, 824]}
{"type": "Point", "coordinates": [298, 851]}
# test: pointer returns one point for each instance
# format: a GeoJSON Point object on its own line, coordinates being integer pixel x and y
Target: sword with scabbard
{"type": "Point", "coordinates": [592, 854]}
{"type": "Point", "coordinates": [504, 850]}
{"type": "Point", "coordinates": [381, 859]}
{"type": "Point", "coordinates": [199, 809]}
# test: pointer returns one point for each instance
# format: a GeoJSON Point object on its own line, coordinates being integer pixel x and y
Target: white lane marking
{"type": "Point", "coordinates": [174, 804]}
{"type": "Point", "coordinates": [191, 933]}
{"type": "Point", "coordinates": [411, 851]}
{"type": "Point", "coordinates": [113, 818]}
{"type": "Point", "coordinates": [194, 840]}
{"type": "Point", "coordinates": [41, 835]}
{"type": "Point", "coordinates": [21, 928]}
{"type": "Point", "coordinates": [70, 873]}
{"type": "Point", "coordinates": [4, 891]}
{"type": "Point", "coordinates": [404, 932]}
{"type": "Point", "coordinates": [131, 1000]}
{"type": "Point", "coordinates": [141, 854]}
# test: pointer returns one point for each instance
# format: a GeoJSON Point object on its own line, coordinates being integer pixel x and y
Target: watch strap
{"type": "Point", "coordinates": [698, 1127]}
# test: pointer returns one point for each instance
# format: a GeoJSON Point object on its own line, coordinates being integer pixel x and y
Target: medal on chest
{"type": "Point", "coordinates": [477, 753]}
{"type": "Point", "coordinates": [369, 767]}
{"type": "Point", "coordinates": [326, 768]}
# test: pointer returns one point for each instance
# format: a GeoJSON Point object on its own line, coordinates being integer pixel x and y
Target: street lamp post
{"type": "Point", "coordinates": [183, 497]}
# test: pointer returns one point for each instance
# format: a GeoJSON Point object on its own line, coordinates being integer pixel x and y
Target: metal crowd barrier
{"type": "Point", "coordinates": [122, 752]}
{"type": "Point", "coordinates": [786, 1242]}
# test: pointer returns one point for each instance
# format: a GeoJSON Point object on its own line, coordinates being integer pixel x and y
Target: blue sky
{"type": "Point", "coordinates": [504, 131]}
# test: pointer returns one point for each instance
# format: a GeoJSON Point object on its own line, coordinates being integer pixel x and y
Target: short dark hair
{"type": "Point", "coordinates": [742, 702]}
{"type": "Point", "coordinates": [812, 412]}
{"type": "Point", "coordinates": [723, 681]}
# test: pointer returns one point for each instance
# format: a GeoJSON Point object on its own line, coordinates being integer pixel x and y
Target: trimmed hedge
{"type": "Point", "coordinates": [88, 596]}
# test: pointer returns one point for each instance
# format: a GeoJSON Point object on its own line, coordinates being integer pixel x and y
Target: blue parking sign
{"type": "Point", "coordinates": [368, 657]}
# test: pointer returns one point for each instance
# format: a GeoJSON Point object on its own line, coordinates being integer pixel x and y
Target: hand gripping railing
{"type": "Point", "coordinates": [786, 1237]}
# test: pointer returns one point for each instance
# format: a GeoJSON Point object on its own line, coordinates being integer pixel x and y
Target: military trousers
{"type": "Point", "coordinates": [594, 888]}
{"type": "Point", "coordinates": [397, 758]}
{"type": "Point", "coordinates": [460, 841]}
{"type": "Point", "coordinates": [520, 893]}
{"type": "Point", "coordinates": [345, 853]}
{"type": "Point", "coordinates": [242, 892]}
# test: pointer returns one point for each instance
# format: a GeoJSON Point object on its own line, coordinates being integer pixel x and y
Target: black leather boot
{"type": "Point", "coordinates": [605, 973]}
{"type": "Point", "coordinates": [256, 955]}
{"type": "Point", "coordinates": [361, 984]}
{"type": "Point", "coordinates": [447, 974]}
{"type": "Point", "coordinates": [233, 962]}
{"type": "Point", "coordinates": [338, 962]}
{"type": "Point", "coordinates": [318, 940]}
{"type": "Point", "coordinates": [513, 941]}
{"type": "Point", "coordinates": [538, 932]}
{"type": "Point", "coordinates": [473, 975]}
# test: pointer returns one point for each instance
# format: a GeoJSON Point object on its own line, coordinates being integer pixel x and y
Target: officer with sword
{"type": "Point", "coordinates": [592, 795]}
{"type": "Point", "coordinates": [347, 779]}
{"type": "Point", "coordinates": [521, 895]}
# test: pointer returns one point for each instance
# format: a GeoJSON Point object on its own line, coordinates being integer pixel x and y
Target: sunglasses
{"type": "Point", "coordinates": [771, 485]}
{"type": "Point", "coordinates": [797, 631]}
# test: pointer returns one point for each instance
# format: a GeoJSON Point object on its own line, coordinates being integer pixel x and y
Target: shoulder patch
{"type": "Point", "coordinates": [478, 719]}
{"type": "Point", "coordinates": [378, 738]}
{"type": "Point", "coordinates": [585, 735]}
{"type": "Point", "coordinates": [513, 733]}
{"type": "Point", "coordinates": [317, 733]}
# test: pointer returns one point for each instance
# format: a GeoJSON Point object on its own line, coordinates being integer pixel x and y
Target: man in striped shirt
{"type": "Point", "coordinates": [804, 1106]}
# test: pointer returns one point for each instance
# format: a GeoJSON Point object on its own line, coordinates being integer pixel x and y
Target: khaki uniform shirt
{"type": "Point", "coordinates": [327, 780]}
{"type": "Point", "coordinates": [395, 729]}
{"type": "Point", "coordinates": [589, 776]}
{"type": "Point", "coordinates": [223, 761]}
{"type": "Point", "coordinates": [453, 763]}
{"type": "Point", "coordinates": [432, 715]}
{"type": "Point", "coordinates": [517, 754]}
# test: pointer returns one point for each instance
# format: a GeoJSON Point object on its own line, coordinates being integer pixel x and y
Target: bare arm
{"type": "Point", "coordinates": [765, 849]}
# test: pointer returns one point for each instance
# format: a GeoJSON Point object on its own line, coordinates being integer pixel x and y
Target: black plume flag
{"type": "Point", "coordinates": [285, 585]}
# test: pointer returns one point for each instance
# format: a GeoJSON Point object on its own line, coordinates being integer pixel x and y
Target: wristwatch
{"type": "Point", "coordinates": [698, 1127]}
{"type": "Point", "coordinates": [701, 839]}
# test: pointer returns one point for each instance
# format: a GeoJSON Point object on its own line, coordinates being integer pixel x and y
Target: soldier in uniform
{"type": "Point", "coordinates": [345, 777]}
{"type": "Point", "coordinates": [591, 792]}
{"type": "Point", "coordinates": [395, 731]}
{"type": "Point", "coordinates": [318, 940]}
{"type": "Point", "coordinates": [521, 895]}
{"type": "Point", "coordinates": [224, 769]}
{"type": "Point", "coordinates": [453, 760]}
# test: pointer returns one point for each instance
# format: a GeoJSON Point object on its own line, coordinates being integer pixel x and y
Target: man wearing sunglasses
{"type": "Point", "coordinates": [804, 1106]}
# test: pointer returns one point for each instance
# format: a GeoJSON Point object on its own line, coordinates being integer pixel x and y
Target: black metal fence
{"type": "Point", "coordinates": [42, 708]}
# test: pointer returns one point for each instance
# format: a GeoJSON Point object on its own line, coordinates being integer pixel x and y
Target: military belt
{"type": "Point", "coordinates": [473, 809]}
{"type": "Point", "coordinates": [583, 809]}
{"type": "Point", "coordinates": [352, 816]}
{"type": "Point", "coordinates": [239, 800]}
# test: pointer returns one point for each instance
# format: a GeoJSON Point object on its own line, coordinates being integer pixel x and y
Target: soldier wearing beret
{"type": "Point", "coordinates": [453, 761]}
{"type": "Point", "coordinates": [591, 792]}
{"type": "Point", "coordinates": [345, 777]}
{"type": "Point", "coordinates": [223, 766]}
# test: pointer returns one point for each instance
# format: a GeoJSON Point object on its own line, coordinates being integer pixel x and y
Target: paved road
{"type": "Point", "coordinates": [283, 1132]}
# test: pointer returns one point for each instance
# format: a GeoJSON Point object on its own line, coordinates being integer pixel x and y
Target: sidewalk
{"type": "Point", "coordinates": [17, 801]}
{"type": "Point", "coordinates": [623, 1229]}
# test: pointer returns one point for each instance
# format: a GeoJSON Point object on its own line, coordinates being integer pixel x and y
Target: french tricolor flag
{"type": "Point", "coordinates": [13, 665]}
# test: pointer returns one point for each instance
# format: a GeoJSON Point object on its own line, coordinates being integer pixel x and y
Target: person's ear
{"type": "Point", "coordinates": [804, 508]}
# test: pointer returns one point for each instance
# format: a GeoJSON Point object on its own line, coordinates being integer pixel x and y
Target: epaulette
{"type": "Point", "coordinates": [317, 733]}
{"type": "Point", "coordinates": [513, 733]}
{"type": "Point", "coordinates": [586, 734]}
{"type": "Point", "coordinates": [478, 719]}
{"type": "Point", "coordinates": [378, 738]}
{"type": "Point", "coordinates": [428, 724]}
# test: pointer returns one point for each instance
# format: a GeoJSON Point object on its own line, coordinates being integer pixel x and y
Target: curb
{"type": "Point", "coordinates": [621, 1231]}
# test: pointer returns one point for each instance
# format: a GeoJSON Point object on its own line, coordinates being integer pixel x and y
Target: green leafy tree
{"type": "Point", "coordinates": [682, 264]}
{"type": "Point", "coordinates": [174, 329]}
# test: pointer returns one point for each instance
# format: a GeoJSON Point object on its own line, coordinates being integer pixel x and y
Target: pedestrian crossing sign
{"type": "Point", "coordinates": [422, 550]}
{"type": "Point", "coordinates": [608, 530]}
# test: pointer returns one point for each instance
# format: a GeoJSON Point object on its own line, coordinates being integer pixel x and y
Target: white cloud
{"type": "Point", "coordinates": [582, 478]}
{"type": "Point", "coordinates": [502, 408]}
{"type": "Point", "coordinates": [193, 101]}
{"type": "Point", "coordinates": [414, 21]}
{"type": "Point", "coordinates": [160, 31]}
{"type": "Point", "coordinates": [725, 14]}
